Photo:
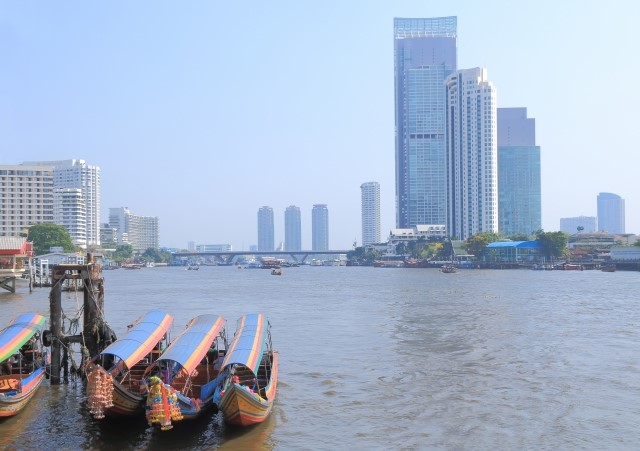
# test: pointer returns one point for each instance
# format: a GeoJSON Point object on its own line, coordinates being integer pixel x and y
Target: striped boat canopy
{"type": "Point", "coordinates": [146, 332]}
{"type": "Point", "coordinates": [18, 332]}
{"type": "Point", "coordinates": [249, 342]}
{"type": "Point", "coordinates": [190, 347]}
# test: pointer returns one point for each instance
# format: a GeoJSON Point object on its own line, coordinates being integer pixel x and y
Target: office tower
{"type": "Point", "coordinates": [519, 192]}
{"type": "Point", "coordinates": [265, 229]}
{"type": "Point", "coordinates": [26, 197]}
{"type": "Point", "coordinates": [472, 153]}
{"type": "Point", "coordinates": [578, 224]}
{"type": "Point", "coordinates": [78, 174]}
{"type": "Point", "coordinates": [69, 212]}
{"type": "Point", "coordinates": [319, 228]}
{"type": "Point", "coordinates": [292, 229]}
{"type": "Point", "coordinates": [141, 232]}
{"type": "Point", "coordinates": [370, 205]}
{"type": "Point", "coordinates": [611, 217]}
{"type": "Point", "coordinates": [425, 55]}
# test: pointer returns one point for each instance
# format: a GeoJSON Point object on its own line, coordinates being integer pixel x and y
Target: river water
{"type": "Point", "coordinates": [380, 358]}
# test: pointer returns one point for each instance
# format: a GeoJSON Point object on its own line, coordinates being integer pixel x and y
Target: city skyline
{"type": "Point", "coordinates": [142, 96]}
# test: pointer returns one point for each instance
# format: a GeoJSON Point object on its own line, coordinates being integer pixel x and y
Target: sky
{"type": "Point", "coordinates": [201, 112]}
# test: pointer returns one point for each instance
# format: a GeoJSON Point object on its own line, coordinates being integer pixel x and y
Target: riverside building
{"type": "Point", "coordinates": [611, 213]}
{"type": "Point", "coordinates": [370, 206]}
{"type": "Point", "coordinates": [292, 229]}
{"type": "Point", "coordinates": [472, 154]}
{"type": "Point", "coordinates": [425, 54]}
{"type": "Point", "coordinates": [26, 197]}
{"type": "Point", "coordinates": [141, 232]}
{"type": "Point", "coordinates": [320, 227]}
{"type": "Point", "coordinates": [266, 237]}
{"type": "Point", "coordinates": [519, 188]}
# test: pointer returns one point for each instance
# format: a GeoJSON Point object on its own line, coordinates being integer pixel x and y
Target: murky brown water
{"type": "Point", "coordinates": [374, 358]}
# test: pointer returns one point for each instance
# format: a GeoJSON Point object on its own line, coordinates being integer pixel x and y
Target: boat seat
{"type": "Point", "coordinates": [9, 384]}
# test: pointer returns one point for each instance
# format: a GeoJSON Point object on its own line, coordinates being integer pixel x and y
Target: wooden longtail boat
{"type": "Point", "coordinates": [115, 384]}
{"type": "Point", "coordinates": [22, 362]}
{"type": "Point", "coordinates": [183, 379]}
{"type": "Point", "coordinates": [249, 376]}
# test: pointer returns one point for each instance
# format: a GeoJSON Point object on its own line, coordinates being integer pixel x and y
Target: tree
{"type": "Point", "coordinates": [123, 251]}
{"type": "Point", "coordinates": [45, 236]}
{"type": "Point", "coordinates": [553, 244]}
{"type": "Point", "coordinates": [477, 243]}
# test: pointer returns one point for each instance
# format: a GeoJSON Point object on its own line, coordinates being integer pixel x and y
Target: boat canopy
{"type": "Point", "coordinates": [18, 332]}
{"type": "Point", "coordinates": [194, 342]}
{"type": "Point", "coordinates": [249, 342]}
{"type": "Point", "coordinates": [145, 334]}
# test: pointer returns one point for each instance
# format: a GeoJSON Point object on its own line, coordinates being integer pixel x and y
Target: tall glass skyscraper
{"type": "Point", "coordinates": [611, 217]}
{"type": "Point", "coordinates": [370, 197]}
{"type": "Point", "coordinates": [425, 55]}
{"type": "Point", "coordinates": [292, 229]}
{"type": "Point", "coordinates": [519, 195]}
{"type": "Point", "coordinates": [472, 154]}
{"type": "Point", "coordinates": [319, 228]}
{"type": "Point", "coordinates": [265, 229]}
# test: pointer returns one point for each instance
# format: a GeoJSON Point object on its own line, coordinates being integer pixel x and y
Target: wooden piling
{"type": "Point", "coordinates": [96, 334]}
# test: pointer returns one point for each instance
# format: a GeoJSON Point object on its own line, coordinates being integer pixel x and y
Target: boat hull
{"type": "Point", "coordinates": [241, 407]}
{"type": "Point", "coordinates": [26, 385]}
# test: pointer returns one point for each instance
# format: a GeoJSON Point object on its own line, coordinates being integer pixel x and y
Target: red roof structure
{"type": "Point", "coordinates": [15, 246]}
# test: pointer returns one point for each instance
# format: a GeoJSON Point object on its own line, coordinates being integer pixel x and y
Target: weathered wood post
{"type": "Point", "coordinates": [55, 305]}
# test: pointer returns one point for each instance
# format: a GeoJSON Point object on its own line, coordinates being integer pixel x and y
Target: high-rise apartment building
{"type": "Point", "coordinates": [578, 224]}
{"type": "Point", "coordinates": [425, 55]}
{"type": "Point", "coordinates": [472, 152]}
{"type": "Point", "coordinates": [141, 232]}
{"type": "Point", "coordinates": [292, 229]}
{"type": "Point", "coordinates": [266, 236]}
{"type": "Point", "coordinates": [69, 212]}
{"type": "Point", "coordinates": [26, 197]}
{"type": "Point", "coordinates": [611, 217]}
{"type": "Point", "coordinates": [319, 228]}
{"type": "Point", "coordinates": [370, 206]}
{"type": "Point", "coordinates": [519, 188]}
{"type": "Point", "coordinates": [77, 174]}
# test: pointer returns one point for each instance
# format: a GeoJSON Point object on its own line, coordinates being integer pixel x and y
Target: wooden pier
{"type": "Point", "coordinates": [96, 334]}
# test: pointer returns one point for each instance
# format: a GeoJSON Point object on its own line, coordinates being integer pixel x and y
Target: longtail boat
{"type": "Point", "coordinates": [115, 384]}
{"type": "Point", "coordinates": [182, 381]}
{"type": "Point", "coordinates": [22, 362]}
{"type": "Point", "coordinates": [249, 376]}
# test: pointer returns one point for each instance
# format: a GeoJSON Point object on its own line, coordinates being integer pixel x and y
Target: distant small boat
{"type": "Point", "coordinates": [115, 384]}
{"type": "Point", "coordinates": [276, 272]}
{"type": "Point", "coordinates": [608, 268]}
{"type": "Point", "coordinates": [249, 377]}
{"type": "Point", "coordinates": [193, 267]}
{"type": "Point", "coordinates": [182, 381]}
{"type": "Point", "coordinates": [448, 269]}
{"type": "Point", "coordinates": [22, 362]}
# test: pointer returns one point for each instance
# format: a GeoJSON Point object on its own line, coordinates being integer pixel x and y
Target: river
{"type": "Point", "coordinates": [377, 358]}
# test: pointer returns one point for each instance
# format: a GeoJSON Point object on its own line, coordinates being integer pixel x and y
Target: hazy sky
{"type": "Point", "coordinates": [201, 112]}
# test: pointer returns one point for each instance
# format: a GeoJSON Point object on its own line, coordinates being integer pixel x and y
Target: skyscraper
{"type": "Point", "coordinates": [319, 228]}
{"type": "Point", "coordinates": [292, 229]}
{"type": "Point", "coordinates": [611, 218]}
{"type": "Point", "coordinates": [78, 174]}
{"type": "Point", "coordinates": [69, 212]}
{"type": "Point", "coordinates": [370, 198]}
{"type": "Point", "coordinates": [265, 229]}
{"type": "Point", "coordinates": [472, 176]}
{"type": "Point", "coordinates": [519, 194]}
{"type": "Point", "coordinates": [425, 55]}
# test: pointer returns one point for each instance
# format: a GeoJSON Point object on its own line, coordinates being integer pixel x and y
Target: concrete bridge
{"type": "Point", "coordinates": [226, 257]}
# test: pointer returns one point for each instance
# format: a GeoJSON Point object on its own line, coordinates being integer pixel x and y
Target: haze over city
{"type": "Point", "coordinates": [201, 113]}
